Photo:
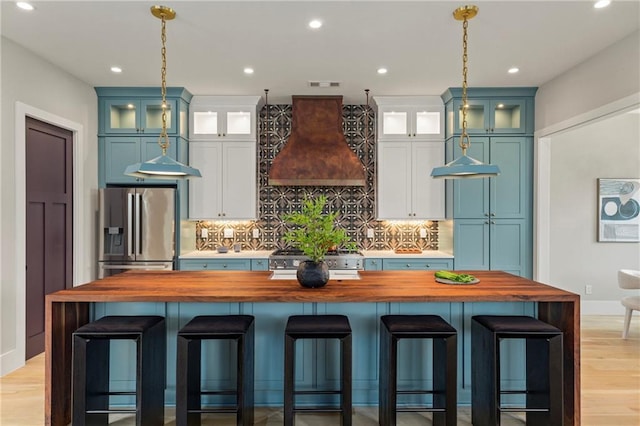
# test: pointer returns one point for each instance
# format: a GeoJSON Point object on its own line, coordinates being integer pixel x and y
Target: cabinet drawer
{"type": "Point", "coordinates": [216, 265]}
{"type": "Point", "coordinates": [259, 265]}
{"type": "Point", "coordinates": [416, 264]}
{"type": "Point", "coordinates": [373, 264]}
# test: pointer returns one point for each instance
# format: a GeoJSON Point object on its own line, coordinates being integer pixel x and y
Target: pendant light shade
{"type": "Point", "coordinates": [465, 167]}
{"type": "Point", "coordinates": [162, 167]}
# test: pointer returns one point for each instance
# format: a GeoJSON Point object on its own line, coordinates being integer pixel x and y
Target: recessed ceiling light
{"type": "Point", "coordinates": [116, 70]}
{"type": "Point", "coordinates": [315, 24]}
{"type": "Point", "coordinates": [601, 3]}
{"type": "Point", "coordinates": [513, 70]}
{"type": "Point", "coordinates": [248, 70]}
{"type": "Point", "coordinates": [382, 70]}
{"type": "Point", "coordinates": [24, 5]}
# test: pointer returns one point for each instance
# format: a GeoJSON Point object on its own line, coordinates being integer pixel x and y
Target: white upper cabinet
{"type": "Point", "coordinates": [223, 117]}
{"type": "Point", "coordinates": [417, 118]}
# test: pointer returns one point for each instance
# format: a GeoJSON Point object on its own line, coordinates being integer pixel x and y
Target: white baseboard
{"type": "Point", "coordinates": [601, 307]}
{"type": "Point", "coordinates": [10, 361]}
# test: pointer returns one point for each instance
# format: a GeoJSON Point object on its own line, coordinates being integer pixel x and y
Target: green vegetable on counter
{"type": "Point", "coordinates": [451, 276]}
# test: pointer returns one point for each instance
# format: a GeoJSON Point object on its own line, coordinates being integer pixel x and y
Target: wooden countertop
{"type": "Point", "coordinates": [243, 286]}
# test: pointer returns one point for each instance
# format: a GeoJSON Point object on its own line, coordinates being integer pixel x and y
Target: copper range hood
{"type": "Point", "coordinates": [317, 153]}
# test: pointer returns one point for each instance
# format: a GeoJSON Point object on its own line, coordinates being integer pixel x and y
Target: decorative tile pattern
{"type": "Point", "coordinates": [357, 205]}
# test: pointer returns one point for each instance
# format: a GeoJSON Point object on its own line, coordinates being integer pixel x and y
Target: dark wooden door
{"type": "Point", "coordinates": [49, 233]}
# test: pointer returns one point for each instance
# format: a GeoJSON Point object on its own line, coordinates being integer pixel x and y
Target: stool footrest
{"type": "Point", "coordinates": [317, 410]}
{"type": "Point", "coordinates": [522, 410]}
{"type": "Point", "coordinates": [112, 411]}
{"type": "Point", "coordinates": [215, 410]}
{"type": "Point", "coordinates": [318, 392]}
{"type": "Point", "coordinates": [220, 392]}
{"type": "Point", "coordinates": [120, 393]}
{"type": "Point", "coordinates": [417, 392]}
{"type": "Point", "coordinates": [420, 409]}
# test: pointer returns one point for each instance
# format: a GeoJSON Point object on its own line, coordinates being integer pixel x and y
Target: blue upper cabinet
{"type": "Point", "coordinates": [129, 124]}
{"type": "Point", "coordinates": [490, 111]}
{"type": "Point", "coordinates": [493, 216]}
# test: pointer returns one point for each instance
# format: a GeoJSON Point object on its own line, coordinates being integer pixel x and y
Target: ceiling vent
{"type": "Point", "coordinates": [324, 84]}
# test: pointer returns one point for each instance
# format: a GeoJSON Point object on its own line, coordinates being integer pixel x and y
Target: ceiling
{"type": "Point", "coordinates": [211, 42]}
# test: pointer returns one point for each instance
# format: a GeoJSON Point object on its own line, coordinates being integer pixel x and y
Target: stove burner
{"type": "Point", "coordinates": [341, 259]}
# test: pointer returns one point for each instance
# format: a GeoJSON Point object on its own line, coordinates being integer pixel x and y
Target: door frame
{"type": "Point", "coordinates": [16, 358]}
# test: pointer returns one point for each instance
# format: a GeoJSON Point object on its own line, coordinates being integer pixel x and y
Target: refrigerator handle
{"type": "Point", "coordinates": [129, 225]}
{"type": "Point", "coordinates": [138, 227]}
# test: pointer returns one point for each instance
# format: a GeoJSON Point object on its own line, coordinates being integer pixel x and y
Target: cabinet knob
{"type": "Point", "coordinates": [224, 266]}
{"type": "Point", "coordinates": [493, 222]}
{"type": "Point", "coordinates": [373, 262]}
{"type": "Point", "coordinates": [224, 214]}
{"type": "Point", "coordinates": [409, 135]}
{"type": "Point", "coordinates": [219, 215]}
{"type": "Point", "coordinates": [493, 214]}
{"type": "Point", "coordinates": [414, 135]}
{"type": "Point", "coordinates": [219, 135]}
{"type": "Point", "coordinates": [427, 265]}
{"type": "Point", "coordinates": [408, 265]}
{"type": "Point", "coordinates": [224, 134]}
{"type": "Point", "coordinates": [486, 214]}
{"type": "Point", "coordinates": [205, 266]}
{"type": "Point", "coordinates": [486, 222]}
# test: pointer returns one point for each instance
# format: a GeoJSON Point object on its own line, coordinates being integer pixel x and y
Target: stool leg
{"type": "Point", "coordinates": [245, 388]}
{"type": "Point", "coordinates": [90, 384]}
{"type": "Point", "coordinates": [346, 374]}
{"type": "Point", "coordinates": [387, 394]}
{"type": "Point", "coordinates": [151, 375]}
{"type": "Point", "coordinates": [289, 386]}
{"type": "Point", "coordinates": [544, 380]}
{"type": "Point", "coordinates": [485, 395]}
{"type": "Point", "coordinates": [188, 381]}
{"type": "Point", "coordinates": [445, 381]}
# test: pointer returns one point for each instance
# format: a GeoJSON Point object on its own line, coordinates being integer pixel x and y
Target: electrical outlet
{"type": "Point", "coordinates": [588, 289]}
{"type": "Point", "coordinates": [228, 232]}
{"type": "Point", "coordinates": [423, 233]}
{"type": "Point", "coordinates": [204, 232]}
{"type": "Point", "coordinates": [370, 233]}
{"type": "Point", "coordinates": [256, 233]}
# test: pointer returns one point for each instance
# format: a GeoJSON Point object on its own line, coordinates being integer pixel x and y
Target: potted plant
{"type": "Point", "coordinates": [315, 234]}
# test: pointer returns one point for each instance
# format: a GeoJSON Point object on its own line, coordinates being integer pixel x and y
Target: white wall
{"type": "Point", "coordinates": [585, 131]}
{"type": "Point", "coordinates": [35, 87]}
{"type": "Point", "coordinates": [612, 74]}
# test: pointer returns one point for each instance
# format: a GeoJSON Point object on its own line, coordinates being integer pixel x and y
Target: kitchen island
{"type": "Point", "coordinates": [68, 309]}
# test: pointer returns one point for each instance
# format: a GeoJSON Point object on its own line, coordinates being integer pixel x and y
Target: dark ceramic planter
{"type": "Point", "coordinates": [312, 274]}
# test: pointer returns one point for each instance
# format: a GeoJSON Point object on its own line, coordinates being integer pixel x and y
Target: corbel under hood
{"type": "Point", "coordinates": [317, 153]}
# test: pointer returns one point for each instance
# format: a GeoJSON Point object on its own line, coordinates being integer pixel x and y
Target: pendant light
{"type": "Point", "coordinates": [465, 166]}
{"type": "Point", "coordinates": [162, 167]}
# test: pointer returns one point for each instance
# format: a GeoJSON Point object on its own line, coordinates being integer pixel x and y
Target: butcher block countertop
{"type": "Point", "coordinates": [244, 286]}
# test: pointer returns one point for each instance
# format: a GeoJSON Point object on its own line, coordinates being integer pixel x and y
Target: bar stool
{"type": "Point", "coordinates": [317, 327]}
{"type": "Point", "coordinates": [544, 385]}
{"type": "Point", "coordinates": [239, 328]}
{"type": "Point", "coordinates": [445, 353]}
{"type": "Point", "coordinates": [90, 376]}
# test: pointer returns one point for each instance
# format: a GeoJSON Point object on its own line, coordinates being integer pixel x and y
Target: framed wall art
{"type": "Point", "coordinates": [618, 210]}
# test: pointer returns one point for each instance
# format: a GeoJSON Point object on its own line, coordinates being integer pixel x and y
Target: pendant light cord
{"type": "Point", "coordinates": [465, 142]}
{"type": "Point", "coordinates": [163, 139]}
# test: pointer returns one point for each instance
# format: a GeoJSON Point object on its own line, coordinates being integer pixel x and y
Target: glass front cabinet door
{"type": "Point", "coordinates": [485, 116]}
{"type": "Point", "coordinates": [138, 116]}
{"type": "Point", "coordinates": [410, 117]}
{"type": "Point", "coordinates": [223, 117]}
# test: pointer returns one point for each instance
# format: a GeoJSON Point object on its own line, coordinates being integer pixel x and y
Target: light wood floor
{"type": "Point", "coordinates": [610, 387]}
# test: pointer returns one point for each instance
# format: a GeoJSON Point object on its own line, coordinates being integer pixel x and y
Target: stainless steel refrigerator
{"type": "Point", "coordinates": [136, 229]}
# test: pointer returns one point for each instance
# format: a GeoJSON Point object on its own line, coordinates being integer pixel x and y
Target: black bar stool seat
{"type": "Point", "coordinates": [90, 382]}
{"type": "Point", "coordinates": [317, 327]}
{"type": "Point", "coordinates": [544, 369]}
{"type": "Point", "coordinates": [239, 328]}
{"type": "Point", "coordinates": [445, 353]}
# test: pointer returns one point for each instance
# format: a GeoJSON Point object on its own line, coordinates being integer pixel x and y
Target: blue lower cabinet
{"type": "Point", "coordinates": [317, 362]}
{"type": "Point", "coordinates": [215, 265]}
{"type": "Point", "coordinates": [408, 264]}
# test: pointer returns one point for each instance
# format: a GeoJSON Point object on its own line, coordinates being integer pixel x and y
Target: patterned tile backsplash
{"type": "Point", "coordinates": [356, 204]}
